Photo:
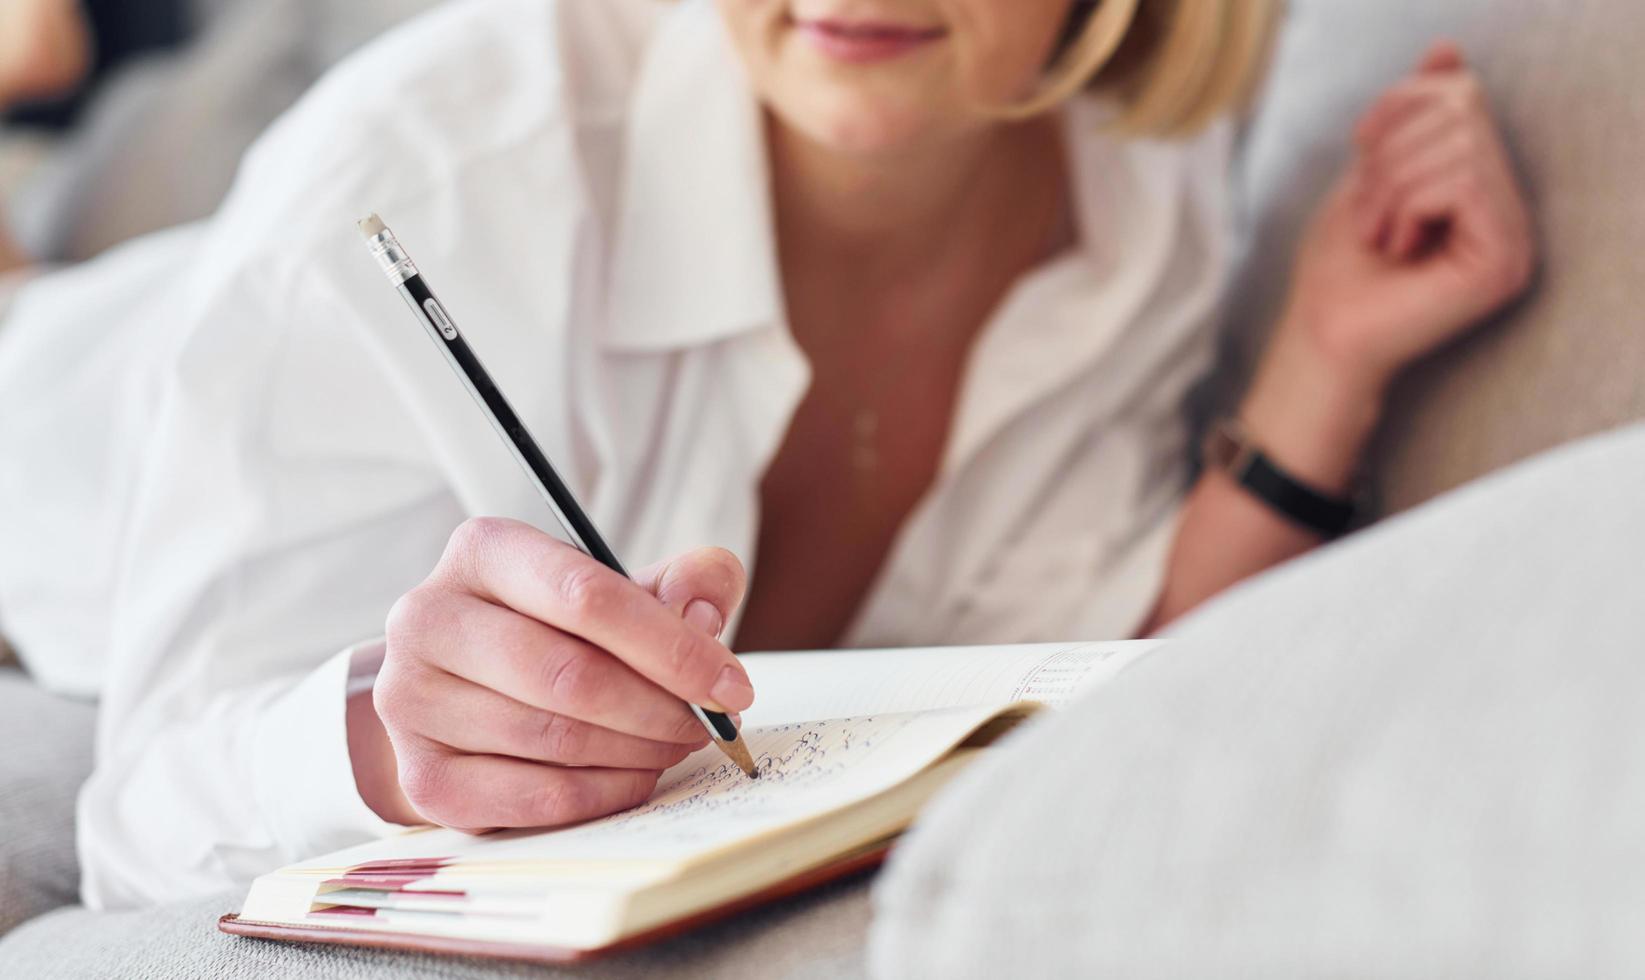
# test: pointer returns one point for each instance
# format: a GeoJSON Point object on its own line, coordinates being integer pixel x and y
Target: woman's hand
{"type": "Point", "coordinates": [1424, 235]}
{"type": "Point", "coordinates": [524, 684]}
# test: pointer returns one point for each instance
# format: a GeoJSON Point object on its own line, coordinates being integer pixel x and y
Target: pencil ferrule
{"type": "Point", "coordinates": [396, 264]}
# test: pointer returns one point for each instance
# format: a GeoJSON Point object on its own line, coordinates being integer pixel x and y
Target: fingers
{"type": "Point", "coordinates": [524, 684]}
{"type": "Point", "coordinates": [1442, 56]}
{"type": "Point", "coordinates": [517, 566]}
{"type": "Point", "coordinates": [1428, 134]}
{"type": "Point", "coordinates": [483, 792]}
{"type": "Point", "coordinates": [1424, 205]}
{"type": "Point", "coordinates": [1496, 259]}
{"type": "Point", "coordinates": [537, 665]}
{"type": "Point", "coordinates": [705, 586]}
{"type": "Point", "coordinates": [457, 714]}
{"type": "Point", "coordinates": [1392, 182]}
{"type": "Point", "coordinates": [1441, 78]}
{"type": "Point", "coordinates": [1416, 135]}
{"type": "Point", "coordinates": [1394, 107]}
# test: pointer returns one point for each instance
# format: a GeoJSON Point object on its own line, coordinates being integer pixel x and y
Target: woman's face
{"type": "Point", "coordinates": [872, 77]}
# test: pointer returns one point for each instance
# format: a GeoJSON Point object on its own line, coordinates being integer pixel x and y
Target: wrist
{"type": "Point", "coordinates": [1311, 415]}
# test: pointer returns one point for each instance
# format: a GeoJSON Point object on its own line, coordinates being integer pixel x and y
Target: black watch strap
{"type": "Point", "coordinates": [1292, 499]}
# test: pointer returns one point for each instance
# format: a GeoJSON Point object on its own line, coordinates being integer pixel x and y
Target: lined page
{"type": "Point", "coordinates": [827, 730]}
{"type": "Point", "coordinates": [806, 769]}
{"type": "Point", "coordinates": [790, 687]}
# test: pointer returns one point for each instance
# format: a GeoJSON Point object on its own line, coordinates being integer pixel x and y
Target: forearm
{"type": "Point", "coordinates": [1426, 233]}
{"type": "Point", "coordinates": [1313, 422]}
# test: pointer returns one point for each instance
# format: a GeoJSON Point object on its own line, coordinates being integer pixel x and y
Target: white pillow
{"type": "Point", "coordinates": [1419, 753]}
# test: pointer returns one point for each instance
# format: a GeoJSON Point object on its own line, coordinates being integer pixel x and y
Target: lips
{"type": "Point", "coordinates": [866, 41]}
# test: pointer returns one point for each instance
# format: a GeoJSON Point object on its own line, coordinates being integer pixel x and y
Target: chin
{"type": "Point", "coordinates": [860, 125]}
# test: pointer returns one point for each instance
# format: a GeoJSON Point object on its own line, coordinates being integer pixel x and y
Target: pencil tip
{"type": "Point", "coordinates": [738, 753]}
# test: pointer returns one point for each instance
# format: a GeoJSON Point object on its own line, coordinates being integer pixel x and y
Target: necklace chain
{"type": "Point", "coordinates": [1061, 229]}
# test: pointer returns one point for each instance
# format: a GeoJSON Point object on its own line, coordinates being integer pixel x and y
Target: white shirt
{"type": "Point", "coordinates": [256, 450]}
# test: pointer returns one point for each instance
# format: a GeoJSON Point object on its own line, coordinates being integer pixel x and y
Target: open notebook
{"type": "Point", "coordinates": [849, 744]}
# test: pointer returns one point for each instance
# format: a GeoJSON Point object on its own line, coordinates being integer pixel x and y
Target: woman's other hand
{"type": "Point", "coordinates": [524, 684]}
{"type": "Point", "coordinates": [1426, 234]}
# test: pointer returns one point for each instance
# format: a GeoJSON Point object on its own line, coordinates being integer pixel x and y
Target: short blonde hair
{"type": "Point", "coordinates": [1170, 66]}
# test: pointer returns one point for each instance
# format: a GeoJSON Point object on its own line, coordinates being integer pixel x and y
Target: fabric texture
{"type": "Point", "coordinates": [45, 754]}
{"type": "Point", "coordinates": [1416, 754]}
{"type": "Point", "coordinates": [817, 936]}
{"type": "Point", "coordinates": [1564, 80]}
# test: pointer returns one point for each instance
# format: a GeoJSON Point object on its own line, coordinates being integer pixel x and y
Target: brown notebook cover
{"type": "Point", "coordinates": [855, 863]}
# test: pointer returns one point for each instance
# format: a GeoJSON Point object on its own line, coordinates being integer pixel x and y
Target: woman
{"type": "Point", "coordinates": [862, 291]}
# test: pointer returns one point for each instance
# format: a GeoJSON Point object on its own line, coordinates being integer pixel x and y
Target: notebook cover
{"type": "Point", "coordinates": [855, 863]}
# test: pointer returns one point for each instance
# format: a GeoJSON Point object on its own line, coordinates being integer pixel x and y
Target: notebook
{"type": "Point", "coordinates": [849, 745]}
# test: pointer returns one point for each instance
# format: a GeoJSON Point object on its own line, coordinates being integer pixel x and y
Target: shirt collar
{"type": "Point", "coordinates": [694, 253]}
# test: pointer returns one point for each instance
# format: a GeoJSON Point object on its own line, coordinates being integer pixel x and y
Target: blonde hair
{"type": "Point", "coordinates": [1170, 66]}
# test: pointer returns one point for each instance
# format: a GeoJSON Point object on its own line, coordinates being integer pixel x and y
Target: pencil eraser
{"type": "Point", "coordinates": [372, 226]}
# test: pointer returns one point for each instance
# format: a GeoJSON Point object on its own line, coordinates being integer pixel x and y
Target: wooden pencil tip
{"type": "Point", "coordinates": [738, 753]}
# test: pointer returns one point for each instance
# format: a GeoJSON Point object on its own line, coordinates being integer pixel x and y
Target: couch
{"type": "Point", "coordinates": [1566, 362]}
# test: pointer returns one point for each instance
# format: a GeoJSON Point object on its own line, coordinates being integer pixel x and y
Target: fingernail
{"type": "Point", "coordinates": [731, 690]}
{"type": "Point", "coordinates": [702, 614]}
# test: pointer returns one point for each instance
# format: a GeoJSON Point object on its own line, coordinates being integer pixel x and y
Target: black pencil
{"type": "Point", "coordinates": [402, 272]}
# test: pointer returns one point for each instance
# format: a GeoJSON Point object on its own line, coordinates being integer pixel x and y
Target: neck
{"type": "Point", "coordinates": [933, 211]}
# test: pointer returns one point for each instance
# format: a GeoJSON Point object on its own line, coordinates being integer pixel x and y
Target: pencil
{"type": "Point", "coordinates": [574, 522]}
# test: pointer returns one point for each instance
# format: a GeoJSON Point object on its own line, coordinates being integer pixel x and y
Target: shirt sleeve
{"type": "Point", "coordinates": [257, 778]}
{"type": "Point", "coordinates": [73, 414]}
{"type": "Point", "coordinates": [307, 453]}
{"type": "Point", "coordinates": [284, 504]}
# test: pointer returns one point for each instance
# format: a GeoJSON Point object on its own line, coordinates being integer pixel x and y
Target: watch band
{"type": "Point", "coordinates": [1228, 447]}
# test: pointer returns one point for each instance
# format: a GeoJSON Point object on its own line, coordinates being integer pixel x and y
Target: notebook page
{"type": "Point", "coordinates": [792, 687]}
{"type": "Point", "coordinates": [806, 769]}
{"type": "Point", "coordinates": [828, 730]}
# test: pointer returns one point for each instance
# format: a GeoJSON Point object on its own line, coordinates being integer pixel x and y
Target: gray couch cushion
{"type": "Point", "coordinates": [1417, 754]}
{"type": "Point", "coordinates": [815, 936]}
{"type": "Point", "coordinates": [162, 140]}
{"type": "Point", "coordinates": [1565, 78]}
{"type": "Point", "coordinates": [45, 754]}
